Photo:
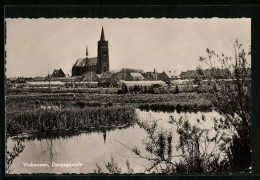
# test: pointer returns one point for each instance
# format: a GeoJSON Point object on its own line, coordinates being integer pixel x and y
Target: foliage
{"type": "Point", "coordinates": [198, 150]}
{"type": "Point", "coordinates": [18, 148]}
{"type": "Point", "coordinates": [232, 98]}
{"type": "Point", "coordinates": [113, 168]}
{"type": "Point", "coordinates": [177, 90]}
{"type": "Point", "coordinates": [131, 70]}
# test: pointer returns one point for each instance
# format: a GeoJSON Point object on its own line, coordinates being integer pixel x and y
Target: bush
{"type": "Point", "coordinates": [80, 104]}
{"type": "Point", "coordinates": [177, 90]}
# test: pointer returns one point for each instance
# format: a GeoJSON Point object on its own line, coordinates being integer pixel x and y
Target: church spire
{"type": "Point", "coordinates": [102, 38]}
{"type": "Point", "coordinates": [86, 51]}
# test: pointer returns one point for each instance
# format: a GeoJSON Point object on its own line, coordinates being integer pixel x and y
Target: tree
{"type": "Point", "coordinates": [228, 89]}
{"type": "Point", "coordinates": [177, 90]}
{"type": "Point", "coordinates": [17, 149]}
{"type": "Point", "coordinates": [230, 94]}
{"type": "Point", "coordinates": [131, 70]}
{"type": "Point", "coordinates": [193, 152]}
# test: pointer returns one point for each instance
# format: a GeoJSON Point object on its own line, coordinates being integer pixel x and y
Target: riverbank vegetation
{"type": "Point", "coordinates": [71, 100]}
{"type": "Point", "coordinates": [45, 112]}
{"type": "Point", "coordinates": [197, 150]}
{"type": "Point", "coordinates": [39, 120]}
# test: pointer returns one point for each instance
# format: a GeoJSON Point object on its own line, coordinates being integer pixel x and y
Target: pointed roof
{"type": "Point", "coordinates": [171, 74]}
{"type": "Point", "coordinates": [81, 62]}
{"type": "Point", "coordinates": [58, 73]}
{"type": "Point", "coordinates": [137, 76]}
{"type": "Point", "coordinates": [102, 38]}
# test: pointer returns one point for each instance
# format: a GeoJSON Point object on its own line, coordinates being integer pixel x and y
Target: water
{"type": "Point", "coordinates": [89, 149]}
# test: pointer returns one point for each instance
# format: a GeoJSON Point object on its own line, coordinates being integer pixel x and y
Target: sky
{"type": "Point", "coordinates": [35, 47]}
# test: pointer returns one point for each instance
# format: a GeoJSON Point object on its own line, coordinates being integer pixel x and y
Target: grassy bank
{"type": "Point", "coordinates": [39, 120]}
{"type": "Point", "coordinates": [42, 112]}
{"type": "Point", "coordinates": [71, 100]}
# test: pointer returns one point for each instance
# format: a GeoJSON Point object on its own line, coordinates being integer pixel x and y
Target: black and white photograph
{"type": "Point", "coordinates": [128, 96]}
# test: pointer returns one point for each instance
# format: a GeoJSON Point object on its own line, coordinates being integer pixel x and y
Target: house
{"type": "Point", "coordinates": [121, 75]}
{"type": "Point", "coordinates": [58, 73]}
{"type": "Point", "coordinates": [206, 74]}
{"type": "Point", "coordinates": [169, 76]}
{"type": "Point", "coordinates": [107, 82]}
{"type": "Point", "coordinates": [214, 73]}
{"type": "Point", "coordinates": [192, 74]}
{"type": "Point", "coordinates": [152, 76]}
{"type": "Point", "coordinates": [134, 77]}
{"type": "Point", "coordinates": [90, 77]}
{"type": "Point", "coordinates": [149, 76]}
{"type": "Point", "coordinates": [107, 74]}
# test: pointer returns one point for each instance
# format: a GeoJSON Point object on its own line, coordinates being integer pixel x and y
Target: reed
{"type": "Point", "coordinates": [39, 120]}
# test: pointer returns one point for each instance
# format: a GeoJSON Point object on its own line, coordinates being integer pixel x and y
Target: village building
{"type": "Point", "coordinates": [107, 74]}
{"type": "Point", "coordinates": [97, 64]}
{"type": "Point", "coordinates": [151, 76]}
{"type": "Point", "coordinates": [107, 82]}
{"type": "Point", "coordinates": [134, 77]}
{"type": "Point", "coordinates": [169, 76]}
{"type": "Point", "coordinates": [58, 73]}
{"type": "Point", "coordinates": [90, 77]}
{"type": "Point", "coordinates": [206, 74]}
{"type": "Point", "coordinates": [188, 74]}
{"type": "Point", "coordinates": [121, 76]}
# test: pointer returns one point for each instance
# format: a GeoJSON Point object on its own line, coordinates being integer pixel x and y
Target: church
{"type": "Point", "coordinates": [97, 64]}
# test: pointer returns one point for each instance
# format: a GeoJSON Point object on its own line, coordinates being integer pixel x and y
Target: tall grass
{"type": "Point", "coordinates": [39, 120]}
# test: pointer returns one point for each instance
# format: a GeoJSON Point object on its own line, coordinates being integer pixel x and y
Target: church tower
{"type": "Point", "coordinates": [103, 57]}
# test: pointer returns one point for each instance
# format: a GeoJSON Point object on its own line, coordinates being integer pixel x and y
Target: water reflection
{"type": "Point", "coordinates": [104, 135]}
{"type": "Point", "coordinates": [175, 109]}
{"type": "Point", "coordinates": [66, 134]}
{"type": "Point", "coordinates": [94, 146]}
